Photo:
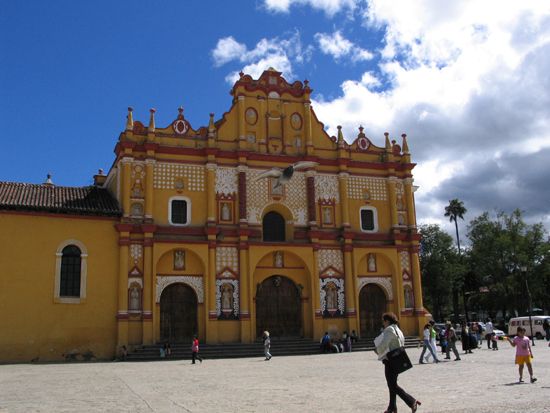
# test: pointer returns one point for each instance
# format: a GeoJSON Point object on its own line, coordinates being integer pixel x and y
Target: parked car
{"type": "Point", "coordinates": [499, 333]}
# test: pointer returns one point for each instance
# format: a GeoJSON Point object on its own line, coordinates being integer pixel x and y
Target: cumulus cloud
{"type": "Point", "coordinates": [470, 84]}
{"type": "Point", "coordinates": [226, 50]}
{"type": "Point", "coordinates": [338, 47]}
{"type": "Point", "coordinates": [329, 7]}
{"type": "Point", "coordinates": [277, 53]}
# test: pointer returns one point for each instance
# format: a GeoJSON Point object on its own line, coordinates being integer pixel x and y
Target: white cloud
{"type": "Point", "coordinates": [330, 7]}
{"type": "Point", "coordinates": [276, 61]}
{"type": "Point", "coordinates": [226, 50]}
{"type": "Point", "coordinates": [276, 53]}
{"type": "Point", "coordinates": [466, 80]}
{"type": "Point", "coordinates": [338, 47]}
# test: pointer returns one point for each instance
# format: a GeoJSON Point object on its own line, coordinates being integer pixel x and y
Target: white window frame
{"type": "Point", "coordinates": [374, 217]}
{"type": "Point", "coordinates": [83, 273]}
{"type": "Point", "coordinates": [179, 198]}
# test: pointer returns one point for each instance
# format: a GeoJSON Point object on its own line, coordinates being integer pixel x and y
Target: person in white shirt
{"type": "Point", "coordinates": [488, 332]}
{"type": "Point", "coordinates": [427, 345]}
{"type": "Point", "coordinates": [392, 338]}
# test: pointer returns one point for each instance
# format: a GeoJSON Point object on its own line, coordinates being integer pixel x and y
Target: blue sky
{"type": "Point", "coordinates": [467, 81]}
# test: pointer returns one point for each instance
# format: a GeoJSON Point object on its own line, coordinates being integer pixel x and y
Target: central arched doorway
{"type": "Point", "coordinates": [273, 227]}
{"type": "Point", "coordinates": [278, 308]}
{"type": "Point", "coordinates": [178, 313]}
{"type": "Point", "coordinates": [372, 304]}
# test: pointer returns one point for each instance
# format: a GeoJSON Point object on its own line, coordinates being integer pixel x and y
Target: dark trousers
{"type": "Point", "coordinates": [395, 390]}
{"type": "Point", "coordinates": [195, 355]}
{"type": "Point", "coordinates": [488, 338]}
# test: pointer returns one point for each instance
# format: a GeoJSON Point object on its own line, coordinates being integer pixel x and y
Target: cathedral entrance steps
{"type": "Point", "coordinates": [279, 347]}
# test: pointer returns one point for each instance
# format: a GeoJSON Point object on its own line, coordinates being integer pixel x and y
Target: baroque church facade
{"type": "Point", "coordinates": [192, 232]}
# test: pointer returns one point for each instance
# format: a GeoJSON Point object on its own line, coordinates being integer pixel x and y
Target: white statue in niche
{"type": "Point", "coordinates": [327, 215]}
{"type": "Point", "coordinates": [401, 219]}
{"type": "Point", "coordinates": [226, 212]}
{"type": "Point", "coordinates": [332, 300]}
{"type": "Point", "coordinates": [227, 297]}
{"type": "Point", "coordinates": [179, 260]}
{"type": "Point", "coordinates": [409, 298]}
{"type": "Point", "coordinates": [399, 202]}
{"type": "Point", "coordinates": [135, 298]}
{"type": "Point", "coordinates": [278, 259]}
{"type": "Point", "coordinates": [372, 262]}
{"type": "Point", "coordinates": [276, 189]}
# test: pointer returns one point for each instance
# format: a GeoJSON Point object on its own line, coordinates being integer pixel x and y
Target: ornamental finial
{"type": "Point", "coordinates": [152, 120]}
{"type": "Point", "coordinates": [130, 119]}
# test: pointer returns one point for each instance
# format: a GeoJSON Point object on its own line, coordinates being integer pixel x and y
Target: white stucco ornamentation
{"type": "Point", "coordinates": [235, 284]}
{"type": "Point", "coordinates": [327, 187]}
{"type": "Point", "coordinates": [384, 282]}
{"type": "Point", "coordinates": [339, 282]}
{"type": "Point", "coordinates": [330, 258]}
{"type": "Point", "coordinates": [227, 257]}
{"type": "Point", "coordinates": [195, 283]}
{"type": "Point", "coordinates": [405, 261]}
{"type": "Point", "coordinates": [226, 181]}
{"type": "Point", "coordinates": [135, 280]}
{"type": "Point", "coordinates": [166, 174]}
{"type": "Point", "coordinates": [136, 251]}
{"type": "Point", "coordinates": [376, 187]}
{"type": "Point", "coordinates": [257, 197]}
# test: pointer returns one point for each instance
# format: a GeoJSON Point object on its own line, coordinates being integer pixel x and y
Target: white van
{"type": "Point", "coordinates": [537, 321]}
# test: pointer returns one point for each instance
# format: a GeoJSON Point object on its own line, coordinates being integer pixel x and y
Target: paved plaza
{"type": "Point", "coordinates": [485, 381]}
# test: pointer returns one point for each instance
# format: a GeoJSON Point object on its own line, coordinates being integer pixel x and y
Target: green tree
{"type": "Point", "coordinates": [500, 249]}
{"type": "Point", "coordinates": [439, 261]}
{"type": "Point", "coordinates": [456, 210]}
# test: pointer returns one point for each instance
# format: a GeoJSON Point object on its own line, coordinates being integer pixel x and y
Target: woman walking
{"type": "Point", "coordinates": [427, 345]}
{"type": "Point", "coordinates": [195, 350]}
{"type": "Point", "coordinates": [393, 339]}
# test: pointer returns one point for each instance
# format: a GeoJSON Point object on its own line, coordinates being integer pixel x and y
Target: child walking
{"type": "Point", "coordinates": [523, 353]}
{"type": "Point", "coordinates": [195, 350]}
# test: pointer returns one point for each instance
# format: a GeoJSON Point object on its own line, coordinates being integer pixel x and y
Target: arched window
{"type": "Point", "coordinates": [70, 272]}
{"type": "Point", "coordinates": [273, 227]}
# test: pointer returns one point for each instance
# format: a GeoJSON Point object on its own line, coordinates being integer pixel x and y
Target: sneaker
{"type": "Point", "coordinates": [521, 381]}
{"type": "Point", "coordinates": [458, 359]}
{"type": "Point", "coordinates": [533, 379]}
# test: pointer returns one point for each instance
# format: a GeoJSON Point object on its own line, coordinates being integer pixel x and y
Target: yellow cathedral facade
{"type": "Point", "coordinates": [258, 221]}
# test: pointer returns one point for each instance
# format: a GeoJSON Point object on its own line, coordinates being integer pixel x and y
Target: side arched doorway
{"type": "Point", "coordinates": [372, 304]}
{"type": "Point", "coordinates": [278, 308]}
{"type": "Point", "coordinates": [178, 313]}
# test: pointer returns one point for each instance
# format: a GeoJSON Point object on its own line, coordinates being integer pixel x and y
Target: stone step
{"type": "Point", "coordinates": [279, 347]}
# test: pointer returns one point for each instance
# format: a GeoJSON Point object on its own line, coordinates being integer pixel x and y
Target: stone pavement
{"type": "Point", "coordinates": [485, 381]}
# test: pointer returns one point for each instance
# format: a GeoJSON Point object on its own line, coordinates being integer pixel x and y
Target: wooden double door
{"type": "Point", "coordinates": [178, 314]}
{"type": "Point", "coordinates": [372, 304]}
{"type": "Point", "coordinates": [279, 308]}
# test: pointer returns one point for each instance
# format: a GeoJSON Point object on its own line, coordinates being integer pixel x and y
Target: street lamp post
{"type": "Point", "coordinates": [523, 270]}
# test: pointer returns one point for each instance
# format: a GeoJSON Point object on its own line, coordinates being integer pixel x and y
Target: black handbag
{"type": "Point", "coordinates": [399, 360]}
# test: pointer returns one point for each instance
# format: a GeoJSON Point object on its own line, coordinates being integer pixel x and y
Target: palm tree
{"type": "Point", "coordinates": [455, 210]}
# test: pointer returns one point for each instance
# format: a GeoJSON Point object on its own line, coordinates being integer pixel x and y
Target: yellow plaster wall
{"type": "Point", "coordinates": [33, 325]}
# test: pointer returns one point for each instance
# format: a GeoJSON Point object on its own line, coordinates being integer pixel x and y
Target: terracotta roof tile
{"type": "Point", "coordinates": [86, 200]}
